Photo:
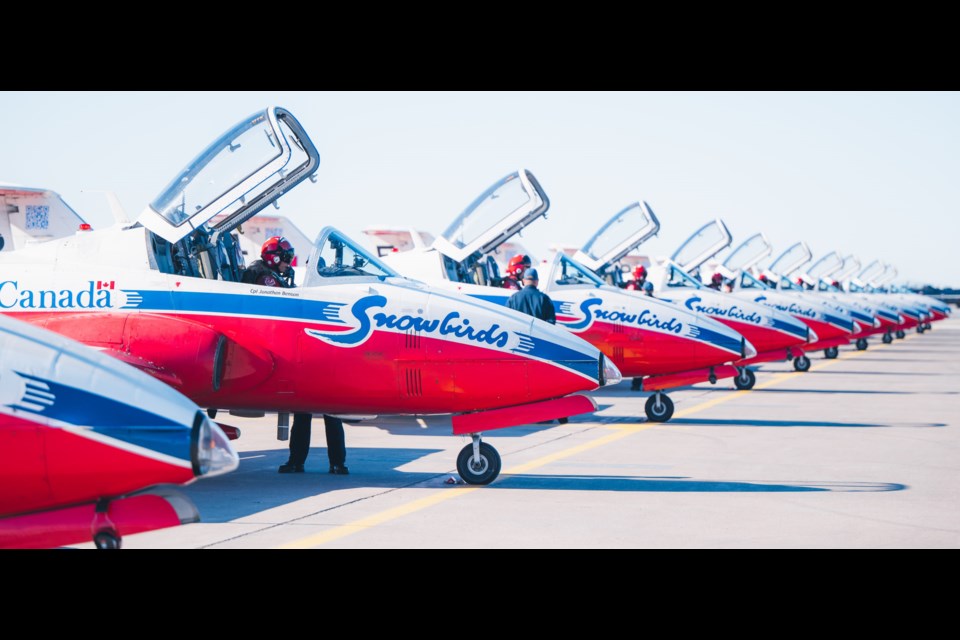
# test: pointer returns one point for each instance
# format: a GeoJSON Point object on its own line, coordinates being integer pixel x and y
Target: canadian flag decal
{"type": "Point", "coordinates": [103, 284]}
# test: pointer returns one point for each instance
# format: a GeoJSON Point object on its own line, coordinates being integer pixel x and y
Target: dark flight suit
{"type": "Point", "coordinates": [300, 431]}
{"type": "Point", "coordinates": [533, 302]}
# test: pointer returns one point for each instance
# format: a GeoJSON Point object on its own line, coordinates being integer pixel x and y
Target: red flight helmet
{"type": "Point", "coordinates": [717, 278]}
{"type": "Point", "coordinates": [276, 250]}
{"type": "Point", "coordinates": [517, 264]}
{"type": "Point", "coordinates": [640, 272]}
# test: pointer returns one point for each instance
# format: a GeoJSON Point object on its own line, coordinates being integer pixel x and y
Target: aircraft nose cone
{"type": "Point", "coordinates": [748, 349]}
{"type": "Point", "coordinates": [812, 335]}
{"type": "Point", "coordinates": [611, 374]}
{"type": "Point", "coordinates": [213, 454]}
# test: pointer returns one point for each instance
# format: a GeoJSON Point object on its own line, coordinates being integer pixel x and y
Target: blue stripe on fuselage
{"type": "Point", "coordinates": [261, 304]}
{"type": "Point", "coordinates": [716, 339]}
{"type": "Point", "coordinates": [106, 416]}
{"type": "Point", "coordinates": [789, 327]}
{"type": "Point", "coordinates": [296, 308]}
{"type": "Point", "coordinates": [557, 354]}
{"type": "Point", "coordinates": [839, 322]}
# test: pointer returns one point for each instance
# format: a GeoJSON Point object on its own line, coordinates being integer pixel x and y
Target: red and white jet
{"type": "Point", "coordinates": [665, 345]}
{"type": "Point", "coordinates": [89, 447]}
{"type": "Point", "coordinates": [165, 295]}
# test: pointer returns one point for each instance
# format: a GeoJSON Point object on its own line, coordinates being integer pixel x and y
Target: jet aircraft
{"type": "Point", "coordinates": [164, 294]}
{"type": "Point", "coordinates": [833, 327]}
{"type": "Point", "coordinates": [775, 334]}
{"type": "Point", "coordinates": [91, 448]}
{"type": "Point", "coordinates": [658, 343]}
{"type": "Point", "coordinates": [29, 215]}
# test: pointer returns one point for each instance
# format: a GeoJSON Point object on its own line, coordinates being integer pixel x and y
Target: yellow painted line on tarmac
{"type": "Point", "coordinates": [377, 519]}
{"type": "Point", "coordinates": [621, 431]}
{"type": "Point", "coordinates": [447, 494]}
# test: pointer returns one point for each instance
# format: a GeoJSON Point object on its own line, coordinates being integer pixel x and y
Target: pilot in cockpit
{"type": "Point", "coordinates": [273, 268]}
{"type": "Point", "coordinates": [515, 268]}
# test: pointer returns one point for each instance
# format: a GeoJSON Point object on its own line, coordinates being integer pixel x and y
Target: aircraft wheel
{"type": "Point", "coordinates": [887, 338]}
{"type": "Point", "coordinates": [482, 471]}
{"type": "Point", "coordinates": [861, 344]}
{"type": "Point", "coordinates": [801, 363]}
{"type": "Point", "coordinates": [659, 408]}
{"type": "Point", "coordinates": [831, 352]}
{"type": "Point", "coordinates": [106, 540]}
{"type": "Point", "coordinates": [901, 334]}
{"type": "Point", "coordinates": [927, 326]}
{"type": "Point", "coordinates": [212, 413]}
{"type": "Point", "coordinates": [920, 328]}
{"type": "Point", "coordinates": [745, 380]}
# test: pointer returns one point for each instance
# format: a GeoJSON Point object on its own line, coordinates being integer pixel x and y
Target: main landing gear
{"type": "Point", "coordinates": [745, 380]}
{"type": "Point", "coordinates": [659, 407]}
{"type": "Point", "coordinates": [887, 338]}
{"type": "Point", "coordinates": [478, 462]}
{"type": "Point", "coordinates": [801, 363]}
{"type": "Point", "coordinates": [901, 334]}
{"type": "Point", "coordinates": [861, 344]}
{"type": "Point", "coordinates": [831, 352]}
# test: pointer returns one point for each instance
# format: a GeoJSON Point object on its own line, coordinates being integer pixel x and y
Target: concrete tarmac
{"type": "Point", "coordinates": [860, 452]}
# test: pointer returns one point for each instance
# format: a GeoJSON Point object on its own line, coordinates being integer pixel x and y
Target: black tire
{"type": "Point", "coordinates": [831, 352]}
{"type": "Point", "coordinates": [920, 328]}
{"type": "Point", "coordinates": [801, 363]}
{"type": "Point", "coordinates": [485, 471]}
{"type": "Point", "coordinates": [862, 344]}
{"type": "Point", "coordinates": [659, 414]}
{"type": "Point", "coordinates": [901, 334]}
{"type": "Point", "coordinates": [212, 413]}
{"type": "Point", "coordinates": [745, 380]}
{"type": "Point", "coordinates": [563, 420]}
{"type": "Point", "coordinates": [106, 540]}
{"type": "Point", "coordinates": [887, 338]}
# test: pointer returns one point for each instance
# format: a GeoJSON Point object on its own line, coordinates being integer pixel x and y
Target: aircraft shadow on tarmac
{"type": "Point", "coordinates": [897, 360]}
{"type": "Point", "coordinates": [256, 486]}
{"type": "Point", "coordinates": [679, 484]}
{"type": "Point", "coordinates": [876, 373]}
{"type": "Point", "coordinates": [853, 391]}
{"type": "Point", "coordinates": [796, 423]}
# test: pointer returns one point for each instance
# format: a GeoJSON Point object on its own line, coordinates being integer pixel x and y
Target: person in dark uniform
{"type": "Point", "coordinates": [300, 444]}
{"type": "Point", "coordinates": [534, 302]}
{"type": "Point", "coordinates": [531, 300]}
{"type": "Point", "coordinates": [274, 269]}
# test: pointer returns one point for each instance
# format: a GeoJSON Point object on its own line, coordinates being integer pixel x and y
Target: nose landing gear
{"type": "Point", "coordinates": [659, 407]}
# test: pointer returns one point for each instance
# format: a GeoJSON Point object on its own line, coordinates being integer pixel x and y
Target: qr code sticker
{"type": "Point", "coordinates": [38, 216]}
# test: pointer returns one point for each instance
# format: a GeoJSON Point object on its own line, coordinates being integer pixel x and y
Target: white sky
{"type": "Point", "coordinates": [873, 174]}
